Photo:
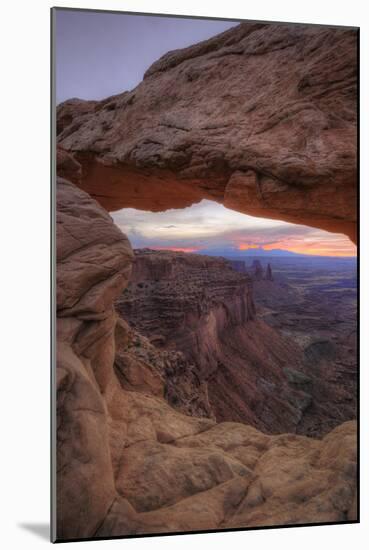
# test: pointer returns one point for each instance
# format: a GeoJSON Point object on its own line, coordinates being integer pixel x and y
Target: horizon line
{"type": "Point", "coordinates": [190, 250]}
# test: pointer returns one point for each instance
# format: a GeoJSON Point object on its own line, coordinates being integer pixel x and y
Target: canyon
{"type": "Point", "coordinates": [275, 351]}
{"type": "Point", "coordinates": [178, 408]}
{"type": "Point", "coordinates": [313, 301]}
{"type": "Point", "coordinates": [200, 306]}
{"type": "Point", "coordinates": [127, 462]}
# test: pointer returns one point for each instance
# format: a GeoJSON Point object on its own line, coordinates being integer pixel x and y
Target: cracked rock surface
{"type": "Point", "coordinates": [261, 118]}
{"type": "Point", "coordinates": [128, 463]}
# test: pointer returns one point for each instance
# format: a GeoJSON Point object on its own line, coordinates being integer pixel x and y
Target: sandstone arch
{"type": "Point", "coordinates": [261, 118]}
{"type": "Point", "coordinates": [195, 125]}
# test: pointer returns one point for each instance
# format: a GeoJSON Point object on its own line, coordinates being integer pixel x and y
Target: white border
{"type": "Point", "coordinates": [25, 267]}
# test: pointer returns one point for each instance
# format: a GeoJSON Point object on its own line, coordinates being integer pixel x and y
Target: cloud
{"type": "Point", "coordinates": [210, 226]}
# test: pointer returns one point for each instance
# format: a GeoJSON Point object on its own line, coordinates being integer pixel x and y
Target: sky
{"type": "Point", "coordinates": [209, 227]}
{"type": "Point", "coordinates": [102, 54]}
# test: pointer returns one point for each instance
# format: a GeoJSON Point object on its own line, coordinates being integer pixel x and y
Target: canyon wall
{"type": "Point", "coordinates": [314, 305]}
{"type": "Point", "coordinates": [127, 462]}
{"type": "Point", "coordinates": [188, 301]}
{"type": "Point", "coordinates": [261, 118]}
{"type": "Point", "coordinates": [243, 368]}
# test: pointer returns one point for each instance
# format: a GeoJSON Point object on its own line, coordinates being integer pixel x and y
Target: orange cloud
{"type": "Point", "coordinates": [248, 246]}
{"type": "Point", "coordinates": [315, 247]}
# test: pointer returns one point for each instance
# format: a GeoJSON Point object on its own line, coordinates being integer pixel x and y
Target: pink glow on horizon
{"type": "Point", "coordinates": [176, 248]}
{"type": "Point", "coordinates": [315, 248]}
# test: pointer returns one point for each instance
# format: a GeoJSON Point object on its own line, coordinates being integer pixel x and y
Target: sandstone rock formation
{"type": "Point", "coordinates": [141, 365]}
{"type": "Point", "coordinates": [189, 299]}
{"type": "Point", "coordinates": [315, 307]}
{"type": "Point", "coordinates": [261, 118]}
{"type": "Point", "coordinates": [232, 365]}
{"type": "Point", "coordinates": [93, 265]}
{"type": "Point", "coordinates": [269, 274]}
{"type": "Point", "coordinates": [231, 475]}
{"type": "Point", "coordinates": [127, 462]}
{"type": "Point", "coordinates": [257, 270]}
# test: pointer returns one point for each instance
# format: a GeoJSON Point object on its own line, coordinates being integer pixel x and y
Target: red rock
{"type": "Point", "coordinates": [233, 364]}
{"type": "Point", "coordinates": [127, 462]}
{"type": "Point", "coordinates": [261, 118]}
{"type": "Point", "coordinates": [93, 264]}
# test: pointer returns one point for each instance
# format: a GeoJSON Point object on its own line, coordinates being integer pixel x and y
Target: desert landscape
{"type": "Point", "coordinates": [272, 348]}
{"type": "Point", "coordinates": [199, 387]}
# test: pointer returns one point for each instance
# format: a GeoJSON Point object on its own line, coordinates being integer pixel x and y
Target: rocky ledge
{"type": "Point", "coordinates": [128, 463]}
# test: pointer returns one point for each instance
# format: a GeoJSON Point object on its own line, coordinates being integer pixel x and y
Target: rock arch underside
{"type": "Point", "coordinates": [261, 118]}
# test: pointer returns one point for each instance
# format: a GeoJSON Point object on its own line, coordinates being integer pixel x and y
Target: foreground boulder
{"type": "Point", "coordinates": [128, 463]}
{"type": "Point", "coordinates": [93, 264]}
{"type": "Point", "coordinates": [261, 118]}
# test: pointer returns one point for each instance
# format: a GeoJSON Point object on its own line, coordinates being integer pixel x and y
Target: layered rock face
{"type": "Point", "coordinates": [93, 265]}
{"type": "Point", "coordinates": [261, 118]}
{"type": "Point", "coordinates": [127, 462]}
{"type": "Point", "coordinates": [315, 307]}
{"type": "Point", "coordinates": [188, 301]}
{"type": "Point", "coordinates": [166, 372]}
{"type": "Point", "coordinates": [235, 363]}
